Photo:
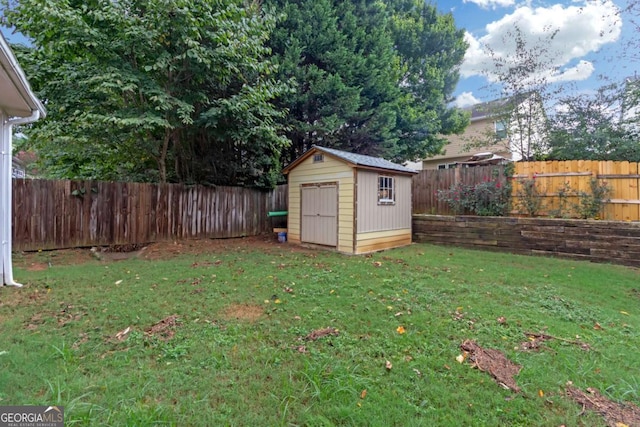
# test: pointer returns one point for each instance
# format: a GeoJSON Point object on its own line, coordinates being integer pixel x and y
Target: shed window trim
{"type": "Point", "coordinates": [386, 190]}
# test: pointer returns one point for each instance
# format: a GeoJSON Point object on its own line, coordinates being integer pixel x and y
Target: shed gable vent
{"type": "Point", "coordinates": [318, 158]}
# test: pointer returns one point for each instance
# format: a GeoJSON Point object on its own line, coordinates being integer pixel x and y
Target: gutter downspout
{"type": "Point", "coordinates": [6, 203]}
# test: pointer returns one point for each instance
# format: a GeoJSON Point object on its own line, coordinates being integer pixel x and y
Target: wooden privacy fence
{"type": "Point", "coordinates": [555, 177]}
{"type": "Point", "coordinates": [427, 183]}
{"type": "Point", "coordinates": [62, 214]}
{"type": "Point", "coordinates": [623, 178]}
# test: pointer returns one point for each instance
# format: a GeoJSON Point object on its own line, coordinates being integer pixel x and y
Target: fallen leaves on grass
{"type": "Point", "coordinates": [536, 339]}
{"type": "Point", "coordinates": [388, 365]}
{"type": "Point", "coordinates": [321, 333]}
{"type": "Point", "coordinates": [164, 329]}
{"type": "Point", "coordinates": [615, 414]}
{"type": "Point", "coordinates": [493, 362]}
{"type": "Point", "coordinates": [401, 330]}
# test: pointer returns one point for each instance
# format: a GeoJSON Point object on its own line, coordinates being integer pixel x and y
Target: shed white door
{"type": "Point", "coordinates": [320, 214]}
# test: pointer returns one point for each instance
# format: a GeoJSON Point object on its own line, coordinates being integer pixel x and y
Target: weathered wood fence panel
{"type": "Point", "coordinates": [61, 214]}
{"type": "Point", "coordinates": [427, 183]}
{"type": "Point", "coordinates": [551, 177]}
{"type": "Point", "coordinates": [601, 241]}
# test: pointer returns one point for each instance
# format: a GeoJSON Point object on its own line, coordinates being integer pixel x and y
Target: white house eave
{"type": "Point", "coordinates": [18, 99]}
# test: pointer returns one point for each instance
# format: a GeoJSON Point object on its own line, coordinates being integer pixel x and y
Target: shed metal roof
{"type": "Point", "coordinates": [359, 160]}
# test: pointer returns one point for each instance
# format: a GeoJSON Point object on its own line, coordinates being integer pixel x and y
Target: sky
{"type": "Point", "coordinates": [589, 43]}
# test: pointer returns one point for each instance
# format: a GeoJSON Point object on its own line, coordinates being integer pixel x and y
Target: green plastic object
{"type": "Point", "coordinates": [278, 213]}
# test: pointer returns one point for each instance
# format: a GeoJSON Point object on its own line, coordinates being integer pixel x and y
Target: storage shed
{"type": "Point", "coordinates": [350, 202]}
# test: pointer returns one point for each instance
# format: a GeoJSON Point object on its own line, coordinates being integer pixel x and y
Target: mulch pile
{"type": "Point", "coordinates": [494, 362]}
{"type": "Point", "coordinates": [615, 414]}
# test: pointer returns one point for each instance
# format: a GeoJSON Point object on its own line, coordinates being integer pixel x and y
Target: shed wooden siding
{"type": "Point", "coordinates": [375, 241]}
{"type": "Point", "coordinates": [373, 217]}
{"type": "Point", "coordinates": [330, 170]}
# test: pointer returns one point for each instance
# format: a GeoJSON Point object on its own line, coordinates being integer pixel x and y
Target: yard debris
{"type": "Point", "coordinates": [320, 333]}
{"type": "Point", "coordinates": [615, 414]}
{"type": "Point", "coordinates": [120, 336]}
{"type": "Point", "coordinates": [164, 329]}
{"type": "Point", "coordinates": [535, 340]}
{"type": "Point", "coordinates": [388, 365]}
{"type": "Point", "coordinates": [301, 349]}
{"type": "Point", "coordinates": [493, 362]}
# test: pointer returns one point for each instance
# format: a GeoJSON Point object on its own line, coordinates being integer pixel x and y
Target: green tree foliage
{"type": "Point", "coordinates": [603, 126]}
{"type": "Point", "coordinates": [431, 49]}
{"type": "Point", "coordinates": [372, 77]}
{"type": "Point", "coordinates": [166, 90]}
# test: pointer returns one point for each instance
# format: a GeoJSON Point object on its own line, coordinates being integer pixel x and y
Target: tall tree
{"type": "Point", "coordinates": [341, 57]}
{"type": "Point", "coordinates": [430, 49]}
{"type": "Point", "coordinates": [373, 77]}
{"type": "Point", "coordinates": [167, 90]}
{"type": "Point", "coordinates": [597, 127]}
{"type": "Point", "coordinates": [524, 83]}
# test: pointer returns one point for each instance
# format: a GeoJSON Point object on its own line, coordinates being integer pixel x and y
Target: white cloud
{"type": "Point", "coordinates": [560, 35]}
{"type": "Point", "coordinates": [491, 4]}
{"type": "Point", "coordinates": [465, 99]}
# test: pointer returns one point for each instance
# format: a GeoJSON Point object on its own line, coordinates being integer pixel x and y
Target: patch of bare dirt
{"type": "Point", "coordinates": [247, 312]}
{"type": "Point", "coordinates": [41, 260]}
{"type": "Point", "coordinates": [152, 251]}
{"type": "Point", "coordinates": [494, 362]}
{"type": "Point", "coordinates": [164, 329]}
{"type": "Point", "coordinates": [615, 414]}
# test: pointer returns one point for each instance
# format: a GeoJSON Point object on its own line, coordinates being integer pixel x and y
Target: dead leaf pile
{"type": "Point", "coordinates": [164, 329]}
{"type": "Point", "coordinates": [493, 362]}
{"type": "Point", "coordinates": [615, 414]}
{"type": "Point", "coordinates": [321, 333]}
{"type": "Point", "coordinates": [536, 339]}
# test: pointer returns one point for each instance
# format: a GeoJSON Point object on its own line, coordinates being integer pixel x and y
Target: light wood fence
{"type": "Point", "coordinates": [62, 214]}
{"type": "Point", "coordinates": [553, 178]}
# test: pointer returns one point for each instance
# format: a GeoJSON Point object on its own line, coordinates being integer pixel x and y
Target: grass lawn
{"type": "Point", "coordinates": [236, 346]}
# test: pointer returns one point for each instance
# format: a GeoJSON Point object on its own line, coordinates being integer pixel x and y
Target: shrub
{"type": "Point", "coordinates": [591, 204]}
{"type": "Point", "coordinates": [488, 198]}
{"type": "Point", "coordinates": [529, 197]}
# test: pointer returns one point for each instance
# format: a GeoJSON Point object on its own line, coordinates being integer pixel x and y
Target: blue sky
{"type": "Point", "coordinates": [591, 41]}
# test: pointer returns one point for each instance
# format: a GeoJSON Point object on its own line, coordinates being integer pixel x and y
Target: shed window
{"type": "Point", "coordinates": [318, 158]}
{"type": "Point", "coordinates": [386, 190]}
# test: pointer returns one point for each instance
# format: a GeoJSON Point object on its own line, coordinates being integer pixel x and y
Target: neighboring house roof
{"type": "Point", "coordinates": [358, 160]}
